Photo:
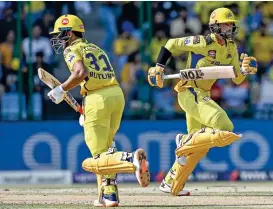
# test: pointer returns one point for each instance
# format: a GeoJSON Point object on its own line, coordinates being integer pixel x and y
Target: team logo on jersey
{"type": "Point", "coordinates": [196, 40]}
{"type": "Point", "coordinates": [65, 21]}
{"type": "Point", "coordinates": [212, 53]}
{"type": "Point", "coordinates": [187, 41]}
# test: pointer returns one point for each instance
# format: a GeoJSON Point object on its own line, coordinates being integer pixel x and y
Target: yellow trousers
{"type": "Point", "coordinates": [103, 111]}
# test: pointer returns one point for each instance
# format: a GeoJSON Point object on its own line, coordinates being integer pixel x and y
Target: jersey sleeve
{"type": "Point", "coordinates": [71, 56]}
{"type": "Point", "coordinates": [195, 44]}
{"type": "Point", "coordinates": [236, 63]}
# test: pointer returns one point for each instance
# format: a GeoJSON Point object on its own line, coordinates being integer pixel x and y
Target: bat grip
{"type": "Point", "coordinates": [80, 109]}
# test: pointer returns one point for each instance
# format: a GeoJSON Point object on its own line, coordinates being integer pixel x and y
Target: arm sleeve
{"type": "Point", "coordinates": [163, 56]}
{"type": "Point", "coordinates": [72, 56]}
{"type": "Point", "coordinates": [235, 62]}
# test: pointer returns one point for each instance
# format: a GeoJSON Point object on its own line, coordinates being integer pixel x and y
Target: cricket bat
{"type": "Point", "coordinates": [204, 73]}
{"type": "Point", "coordinates": [52, 82]}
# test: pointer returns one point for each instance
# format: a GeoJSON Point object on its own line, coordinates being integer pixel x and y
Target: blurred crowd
{"type": "Point", "coordinates": [25, 34]}
{"type": "Point", "coordinates": [133, 43]}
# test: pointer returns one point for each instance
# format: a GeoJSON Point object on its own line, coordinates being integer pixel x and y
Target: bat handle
{"type": "Point", "coordinates": [172, 76]}
{"type": "Point", "coordinates": [80, 109]}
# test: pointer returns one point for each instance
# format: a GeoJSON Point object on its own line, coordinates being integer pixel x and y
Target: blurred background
{"type": "Point", "coordinates": [36, 134]}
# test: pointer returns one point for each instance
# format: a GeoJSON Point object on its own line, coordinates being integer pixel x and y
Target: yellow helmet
{"type": "Point", "coordinates": [68, 22]}
{"type": "Point", "coordinates": [59, 35]}
{"type": "Point", "coordinates": [223, 15]}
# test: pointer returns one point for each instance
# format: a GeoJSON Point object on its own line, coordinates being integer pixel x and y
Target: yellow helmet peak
{"type": "Point", "coordinates": [68, 22]}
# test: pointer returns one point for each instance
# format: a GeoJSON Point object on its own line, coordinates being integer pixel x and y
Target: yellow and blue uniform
{"type": "Point", "coordinates": [103, 97]}
{"type": "Point", "coordinates": [194, 96]}
{"type": "Point", "coordinates": [103, 101]}
{"type": "Point", "coordinates": [103, 106]}
{"type": "Point", "coordinates": [217, 48]}
{"type": "Point", "coordinates": [204, 51]}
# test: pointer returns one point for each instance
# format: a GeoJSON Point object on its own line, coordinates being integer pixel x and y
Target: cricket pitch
{"type": "Point", "coordinates": [205, 195]}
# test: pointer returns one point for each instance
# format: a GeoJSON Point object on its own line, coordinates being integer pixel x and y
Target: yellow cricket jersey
{"type": "Point", "coordinates": [205, 51]}
{"type": "Point", "coordinates": [96, 62]}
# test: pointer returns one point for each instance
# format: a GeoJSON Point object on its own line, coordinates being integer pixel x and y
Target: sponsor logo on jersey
{"type": "Point", "coordinates": [229, 56]}
{"type": "Point", "coordinates": [187, 41]}
{"type": "Point", "coordinates": [208, 40]}
{"type": "Point", "coordinates": [206, 98]}
{"type": "Point", "coordinates": [65, 21]}
{"type": "Point", "coordinates": [196, 39]}
{"type": "Point", "coordinates": [218, 63]}
{"type": "Point", "coordinates": [212, 53]}
{"type": "Point", "coordinates": [91, 48]}
{"type": "Point", "coordinates": [215, 63]}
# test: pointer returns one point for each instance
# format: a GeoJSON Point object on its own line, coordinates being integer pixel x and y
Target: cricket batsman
{"type": "Point", "coordinates": [207, 123]}
{"type": "Point", "coordinates": [103, 105]}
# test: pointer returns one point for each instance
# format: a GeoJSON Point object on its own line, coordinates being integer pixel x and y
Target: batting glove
{"type": "Point", "coordinates": [155, 76]}
{"type": "Point", "coordinates": [56, 94]}
{"type": "Point", "coordinates": [248, 64]}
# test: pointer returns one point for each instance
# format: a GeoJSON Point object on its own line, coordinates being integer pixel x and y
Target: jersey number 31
{"type": "Point", "coordinates": [94, 62]}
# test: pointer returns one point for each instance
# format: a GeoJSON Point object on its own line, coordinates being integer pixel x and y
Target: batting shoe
{"type": "Point", "coordinates": [108, 200]}
{"type": "Point", "coordinates": [108, 194]}
{"type": "Point", "coordinates": [164, 187]}
{"type": "Point", "coordinates": [142, 167]}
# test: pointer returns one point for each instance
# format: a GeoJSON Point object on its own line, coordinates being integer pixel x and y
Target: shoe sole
{"type": "Point", "coordinates": [143, 173]}
{"type": "Point", "coordinates": [112, 205]}
{"type": "Point", "coordinates": [100, 204]}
